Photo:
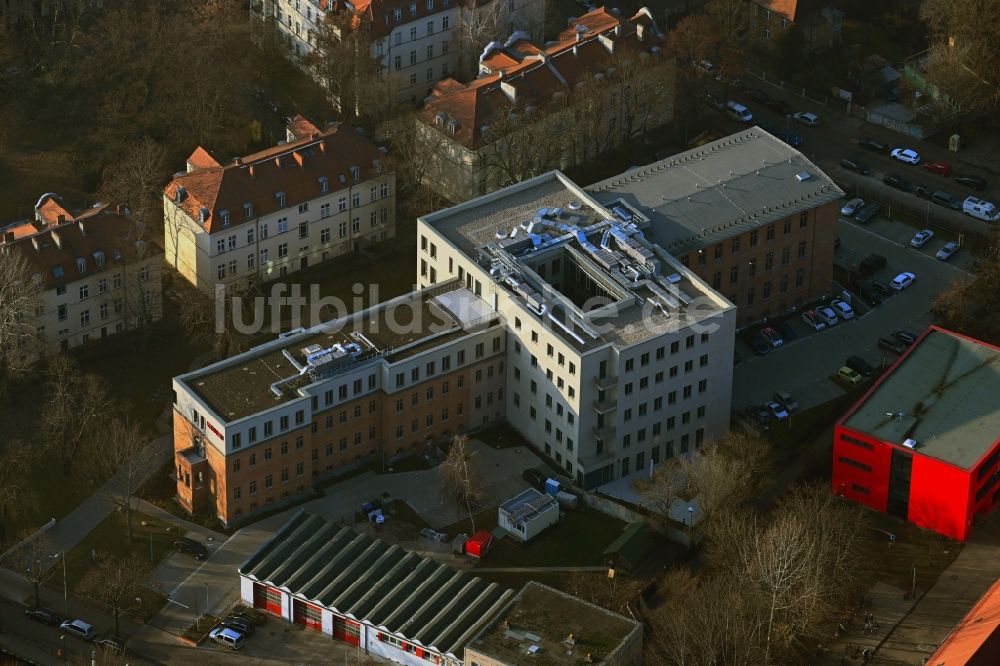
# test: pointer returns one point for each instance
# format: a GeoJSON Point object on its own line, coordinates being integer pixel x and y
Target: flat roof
{"type": "Point", "coordinates": [416, 598]}
{"type": "Point", "coordinates": [943, 394]}
{"type": "Point", "coordinates": [529, 505]}
{"type": "Point", "coordinates": [514, 231]}
{"type": "Point", "coordinates": [394, 330]}
{"type": "Point", "coordinates": [720, 190]}
{"type": "Point", "coordinates": [544, 617]}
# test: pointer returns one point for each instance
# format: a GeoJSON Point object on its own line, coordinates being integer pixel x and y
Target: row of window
{"type": "Point", "coordinates": [479, 352]}
{"type": "Point", "coordinates": [625, 464]}
{"type": "Point", "coordinates": [661, 353]}
{"type": "Point", "coordinates": [104, 310]}
{"type": "Point", "coordinates": [268, 427]}
{"type": "Point", "coordinates": [102, 284]}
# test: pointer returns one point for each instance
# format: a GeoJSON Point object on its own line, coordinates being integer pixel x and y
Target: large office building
{"type": "Point", "coordinates": [924, 443]}
{"type": "Point", "coordinates": [317, 195]}
{"type": "Point", "coordinates": [749, 214]}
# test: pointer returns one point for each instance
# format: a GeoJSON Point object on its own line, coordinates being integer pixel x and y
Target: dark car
{"type": "Point", "coordinates": [757, 95]}
{"type": "Point", "coordinates": [44, 615]}
{"type": "Point", "coordinates": [870, 296]}
{"type": "Point", "coordinates": [871, 263]}
{"type": "Point", "coordinates": [758, 414]}
{"type": "Point", "coordinates": [786, 330]}
{"type": "Point", "coordinates": [975, 182]}
{"type": "Point", "coordinates": [858, 364]}
{"type": "Point", "coordinates": [880, 287]}
{"type": "Point", "coordinates": [535, 477]}
{"type": "Point", "coordinates": [868, 212]}
{"type": "Point", "coordinates": [892, 344]}
{"type": "Point", "coordinates": [947, 200]}
{"type": "Point", "coordinates": [922, 192]}
{"type": "Point", "coordinates": [236, 623]}
{"type": "Point", "coordinates": [760, 345]}
{"type": "Point", "coordinates": [791, 138]}
{"type": "Point", "coordinates": [191, 547]}
{"type": "Point", "coordinates": [905, 337]}
{"type": "Point", "coordinates": [779, 106]}
{"type": "Point", "coordinates": [111, 643]}
{"type": "Point", "coordinates": [897, 181]}
{"type": "Point", "coordinates": [873, 144]}
{"type": "Point", "coordinates": [257, 618]}
{"type": "Point", "coordinates": [855, 165]}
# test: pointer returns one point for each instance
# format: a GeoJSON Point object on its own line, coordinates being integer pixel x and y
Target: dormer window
{"type": "Point", "coordinates": [81, 265]}
{"type": "Point", "coordinates": [202, 215]}
{"type": "Point", "coordinates": [280, 196]}
{"type": "Point", "coordinates": [398, 14]}
{"type": "Point", "coordinates": [324, 184]}
{"type": "Point", "coordinates": [224, 216]}
{"type": "Point", "coordinates": [413, 9]}
{"type": "Point", "coordinates": [99, 259]}
{"type": "Point", "coordinates": [343, 179]}
{"type": "Point", "coordinates": [430, 5]}
{"type": "Point", "coordinates": [248, 209]}
{"type": "Point", "coordinates": [57, 272]}
{"type": "Point", "coordinates": [356, 173]}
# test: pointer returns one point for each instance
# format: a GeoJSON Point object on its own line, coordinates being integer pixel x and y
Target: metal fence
{"type": "Point", "coordinates": [805, 93]}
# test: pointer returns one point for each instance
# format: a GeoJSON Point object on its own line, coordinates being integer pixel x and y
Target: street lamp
{"type": "Point", "coordinates": [690, 523]}
{"type": "Point", "coordinates": [62, 555]}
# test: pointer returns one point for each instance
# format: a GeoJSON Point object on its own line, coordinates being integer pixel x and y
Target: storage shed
{"type": "Point", "coordinates": [480, 544]}
{"type": "Point", "coordinates": [527, 515]}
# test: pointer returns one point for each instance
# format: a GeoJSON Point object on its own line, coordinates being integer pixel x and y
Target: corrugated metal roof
{"type": "Point", "coordinates": [418, 599]}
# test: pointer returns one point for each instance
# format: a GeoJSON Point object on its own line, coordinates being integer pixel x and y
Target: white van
{"type": "Point", "coordinates": [231, 639]}
{"type": "Point", "coordinates": [980, 209]}
{"type": "Point", "coordinates": [739, 112]}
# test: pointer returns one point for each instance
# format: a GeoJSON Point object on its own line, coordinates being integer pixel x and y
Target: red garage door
{"type": "Point", "coordinates": [346, 630]}
{"type": "Point", "coordinates": [272, 601]}
{"type": "Point", "coordinates": [307, 615]}
{"type": "Point", "coordinates": [259, 597]}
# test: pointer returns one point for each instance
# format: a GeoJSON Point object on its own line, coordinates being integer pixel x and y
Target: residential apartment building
{"type": "Point", "coordinates": [95, 275]}
{"type": "Point", "coordinates": [618, 356]}
{"type": "Point", "coordinates": [263, 426]}
{"type": "Point", "coordinates": [750, 215]}
{"type": "Point", "coordinates": [818, 20]}
{"type": "Point", "coordinates": [534, 108]}
{"type": "Point", "coordinates": [319, 195]}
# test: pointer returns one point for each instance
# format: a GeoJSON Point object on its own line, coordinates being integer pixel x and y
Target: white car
{"type": "Point", "coordinates": [921, 238]}
{"type": "Point", "coordinates": [827, 314]}
{"type": "Point", "coordinates": [777, 411]}
{"type": "Point", "coordinates": [950, 248]}
{"type": "Point", "coordinates": [806, 118]}
{"type": "Point", "coordinates": [78, 628]}
{"type": "Point", "coordinates": [852, 207]}
{"type": "Point", "coordinates": [902, 281]}
{"type": "Point", "coordinates": [906, 155]}
{"type": "Point", "coordinates": [843, 310]}
{"type": "Point", "coordinates": [813, 320]}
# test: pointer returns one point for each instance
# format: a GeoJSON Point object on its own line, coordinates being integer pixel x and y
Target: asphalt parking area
{"type": "Point", "coordinates": [277, 641]}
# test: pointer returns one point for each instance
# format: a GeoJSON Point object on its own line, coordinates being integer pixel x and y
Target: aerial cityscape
{"type": "Point", "coordinates": [500, 332]}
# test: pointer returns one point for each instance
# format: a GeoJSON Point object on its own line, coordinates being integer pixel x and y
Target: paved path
{"type": "Point", "coordinates": [479, 570]}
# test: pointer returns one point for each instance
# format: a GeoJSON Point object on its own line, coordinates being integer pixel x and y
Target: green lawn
{"type": "Point", "coordinates": [578, 540]}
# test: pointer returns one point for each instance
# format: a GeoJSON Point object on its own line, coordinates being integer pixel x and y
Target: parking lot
{"type": "Point", "coordinates": [805, 366]}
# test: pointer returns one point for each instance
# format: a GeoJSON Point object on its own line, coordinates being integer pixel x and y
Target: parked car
{"type": "Point", "coordinates": [923, 192]}
{"type": "Point", "coordinates": [791, 138]}
{"type": "Point", "coordinates": [897, 181]}
{"type": "Point", "coordinates": [757, 95]}
{"type": "Point", "coordinates": [949, 248]}
{"type": "Point", "coordinates": [980, 209]}
{"type": "Point", "coordinates": [891, 344]}
{"type": "Point", "coordinates": [868, 212]}
{"type": "Point", "coordinates": [739, 112]}
{"type": "Point", "coordinates": [772, 336]}
{"type": "Point", "coordinates": [258, 618]}
{"type": "Point", "coordinates": [879, 286]}
{"type": "Point", "coordinates": [874, 145]}
{"type": "Point", "coordinates": [78, 628]}
{"type": "Point", "coordinates": [813, 319]}
{"type": "Point", "coordinates": [44, 615]}
{"type": "Point", "coordinates": [975, 182]}
{"type": "Point", "coordinates": [111, 643]}
{"type": "Point", "coordinates": [778, 106]}
{"type": "Point", "coordinates": [870, 264]}
{"type": "Point", "coordinates": [905, 155]}
{"type": "Point", "coordinates": [238, 624]}
{"type": "Point", "coordinates": [759, 415]}
{"type": "Point", "coordinates": [852, 207]}
{"type": "Point", "coordinates": [843, 310]}
{"type": "Point", "coordinates": [787, 401]}
{"type": "Point", "coordinates": [786, 330]}
{"type": "Point", "coordinates": [535, 477]}
{"type": "Point", "coordinates": [191, 547]}
{"type": "Point", "coordinates": [859, 365]}
{"type": "Point", "coordinates": [921, 237]}
{"type": "Point", "coordinates": [232, 639]}
{"type": "Point", "coordinates": [760, 345]}
{"type": "Point", "coordinates": [938, 167]}
{"type": "Point", "coordinates": [850, 376]}
{"type": "Point", "coordinates": [947, 200]}
{"type": "Point", "coordinates": [714, 101]}
{"type": "Point", "coordinates": [870, 295]}
{"type": "Point", "coordinates": [827, 314]}
{"type": "Point", "coordinates": [777, 411]}
{"type": "Point", "coordinates": [905, 337]}
{"type": "Point", "coordinates": [806, 118]}
{"type": "Point", "coordinates": [855, 165]}
{"type": "Point", "coordinates": [902, 281]}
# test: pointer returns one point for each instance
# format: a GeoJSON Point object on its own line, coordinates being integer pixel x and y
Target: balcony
{"type": "Point", "coordinates": [605, 383]}
{"type": "Point", "coordinates": [605, 434]}
{"type": "Point", "coordinates": [605, 406]}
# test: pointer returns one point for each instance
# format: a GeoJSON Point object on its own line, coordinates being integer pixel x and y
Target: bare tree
{"type": "Point", "coordinates": [661, 490]}
{"type": "Point", "coordinates": [32, 560]}
{"type": "Point", "coordinates": [480, 24]}
{"type": "Point", "coordinates": [118, 453]}
{"type": "Point", "coordinates": [734, 22]}
{"type": "Point", "coordinates": [116, 582]}
{"type": "Point", "coordinates": [522, 141]}
{"type": "Point", "coordinates": [972, 306]}
{"type": "Point", "coordinates": [726, 472]}
{"type": "Point", "coordinates": [461, 480]}
{"type": "Point", "coordinates": [76, 408]}
{"type": "Point", "coordinates": [342, 61]}
{"type": "Point", "coordinates": [136, 180]}
{"type": "Point", "coordinates": [964, 61]}
{"type": "Point", "coordinates": [417, 153]}
{"type": "Point", "coordinates": [20, 296]}
{"type": "Point", "coordinates": [17, 495]}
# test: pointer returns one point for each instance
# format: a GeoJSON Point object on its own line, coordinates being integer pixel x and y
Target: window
{"type": "Point", "coordinates": [803, 219]}
{"type": "Point", "coordinates": [769, 261]}
{"type": "Point", "coordinates": [303, 230]}
{"type": "Point", "coordinates": [734, 274]}
{"type": "Point", "coordinates": [282, 225]}
{"type": "Point", "coordinates": [800, 277]}
{"type": "Point", "coordinates": [444, 20]}
{"type": "Point", "coordinates": [753, 238]}
{"type": "Point", "coordinates": [62, 312]}
{"type": "Point", "coordinates": [857, 442]}
{"type": "Point", "coordinates": [324, 235]}
{"type": "Point", "coordinates": [283, 250]}
{"type": "Point", "coordinates": [85, 318]}
{"type": "Point", "coordinates": [736, 245]}
{"type": "Point", "coordinates": [854, 463]}
{"type": "Point", "coordinates": [802, 249]}
{"type": "Point", "coordinates": [787, 227]}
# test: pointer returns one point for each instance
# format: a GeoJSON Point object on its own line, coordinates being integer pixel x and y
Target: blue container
{"type": "Point", "coordinates": [551, 487]}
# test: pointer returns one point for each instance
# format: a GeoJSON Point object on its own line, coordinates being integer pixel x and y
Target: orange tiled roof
{"type": "Point", "coordinates": [381, 14]}
{"type": "Point", "coordinates": [50, 208]}
{"type": "Point", "coordinates": [534, 73]}
{"type": "Point", "coordinates": [201, 159]}
{"type": "Point", "coordinates": [975, 641]}
{"type": "Point", "coordinates": [293, 168]}
{"type": "Point", "coordinates": [793, 10]}
{"type": "Point", "coordinates": [56, 251]}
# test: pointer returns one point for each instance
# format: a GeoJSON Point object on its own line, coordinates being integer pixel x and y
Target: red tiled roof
{"type": "Point", "coordinates": [293, 168]}
{"type": "Point", "coordinates": [54, 250]}
{"type": "Point", "coordinates": [201, 159]}
{"type": "Point", "coordinates": [50, 208]}
{"type": "Point", "coordinates": [975, 641]}
{"type": "Point", "coordinates": [793, 10]}
{"type": "Point", "coordinates": [300, 126]}
{"type": "Point", "coordinates": [534, 73]}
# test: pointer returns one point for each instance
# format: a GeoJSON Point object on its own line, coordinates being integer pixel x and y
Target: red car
{"type": "Point", "coordinates": [938, 167]}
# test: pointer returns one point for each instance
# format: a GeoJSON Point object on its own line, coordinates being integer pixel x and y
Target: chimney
{"type": "Point", "coordinates": [61, 219]}
{"type": "Point", "coordinates": [322, 146]}
{"type": "Point", "coordinates": [35, 243]}
{"type": "Point", "coordinates": [640, 32]}
{"type": "Point", "coordinates": [299, 159]}
{"type": "Point", "coordinates": [8, 237]}
{"type": "Point", "coordinates": [57, 240]}
{"type": "Point", "coordinates": [581, 30]}
{"type": "Point", "coordinates": [251, 171]}
{"type": "Point", "coordinates": [502, 73]}
{"type": "Point", "coordinates": [79, 224]}
{"type": "Point", "coordinates": [239, 161]}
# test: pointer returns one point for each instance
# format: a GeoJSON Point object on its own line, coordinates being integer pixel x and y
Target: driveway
{"type": "Point", "coordinates": [804, 366]}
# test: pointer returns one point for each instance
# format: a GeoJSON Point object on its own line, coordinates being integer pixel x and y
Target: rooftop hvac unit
{"type": "Point", "coordinates": [910, 443]}
{"type": "Point", "coordinates": [803, 176]}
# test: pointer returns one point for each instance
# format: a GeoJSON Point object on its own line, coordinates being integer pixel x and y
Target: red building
{"type": "Point", "coordinates": [923, 444]}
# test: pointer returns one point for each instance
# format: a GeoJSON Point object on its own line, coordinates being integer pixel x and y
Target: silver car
{"type": "Point", "coordinates": [852, 207]}
{"type": "Point", "coordinates": [950, 248]}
